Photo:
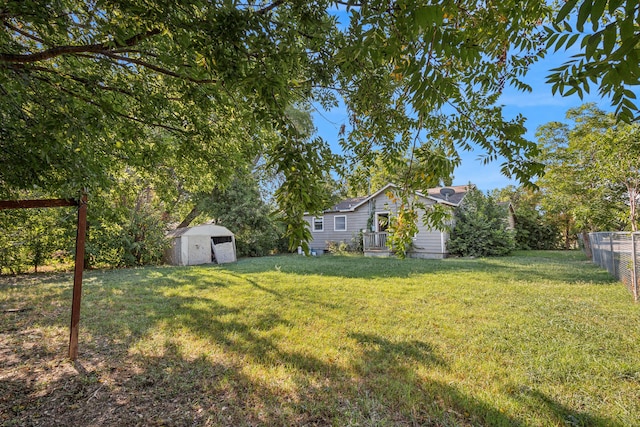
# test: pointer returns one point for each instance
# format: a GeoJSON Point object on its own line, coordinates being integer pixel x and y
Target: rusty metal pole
{"type": "Point", "coordinates": [634, 266]}
{"type": "Point", "coordinates": [77, 276]}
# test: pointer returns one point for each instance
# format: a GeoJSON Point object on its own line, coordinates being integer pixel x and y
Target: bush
{"type": "Point", "coordinates": [32, 238]}
{"type": "Point", "coordinates": [342, 247]}
{"type": "Point", "coordinates": [534, 231]}
{"type": "Point", "coordinates": [480, 228]}
{"type": "Point", "coordinates": [125, 230]}
{"type": "Point", "coordinates": [357, 242]}
{"type": "Point", "coordinates": [336, 248]}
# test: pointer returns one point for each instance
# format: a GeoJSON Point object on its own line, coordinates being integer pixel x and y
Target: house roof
{"type": "Point", "coordinates": [350, 205]}
{"type": "Point", "coordinates": [455, 198]}
{"type": "Point", "coordinates": [201, 230]}
{"type": "Point", "coordinates": [347, 204]}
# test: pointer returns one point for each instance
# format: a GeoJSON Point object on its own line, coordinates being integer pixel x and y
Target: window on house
{"type": "Point", "coordinates": [318, 224]}
{"type": "Point", "coordinates": [340, 223]}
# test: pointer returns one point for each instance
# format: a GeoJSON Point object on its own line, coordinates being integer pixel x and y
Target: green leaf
{"type": "Point", "coordinates": [614, 4]}
{"type": "Point", "coordinates": [561, 41]}
{"type": "Point", "coordinates": [551, 41]}
{"type": "Point", "coordinates": [583, 14]}
{"type": "Point", "coordinates": [572, 40]}
{"type": "Point", "coordinates": [564, 11]}
{"type": "Point", "coordinates": [592, 45]}
{"type": "Point", "coordinates": [596, 12]}
{"type": "Point", "coordinates": [609, 38]}
{"type": "Point", "coordinates": [427, 16]}
{"type": "Point", "coordinates": [627, 28]}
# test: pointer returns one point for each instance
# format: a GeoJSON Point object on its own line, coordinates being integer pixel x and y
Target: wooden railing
{"type": "Point", "coordinates": [375, 241]}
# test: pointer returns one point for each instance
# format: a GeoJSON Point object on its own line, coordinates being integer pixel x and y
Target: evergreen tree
{"type": "Point", "coordinates": [480, 228]}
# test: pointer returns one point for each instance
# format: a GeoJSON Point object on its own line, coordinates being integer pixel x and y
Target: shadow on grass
{"type": "Point", "coordinates": [178, 389]}
{"type": "Point", "coordinates": [383, 384]}
{"type": "Point", "coordinates": [560, 414]}
{"type": "Point", "coordinates": [534, 266]}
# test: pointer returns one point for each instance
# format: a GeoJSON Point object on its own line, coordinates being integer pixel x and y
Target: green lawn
{"type": "Point", "coordinates": [539, 338]}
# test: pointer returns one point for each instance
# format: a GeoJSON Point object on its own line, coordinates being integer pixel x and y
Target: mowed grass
{"type": "Point", "coordinates": [538, 338]}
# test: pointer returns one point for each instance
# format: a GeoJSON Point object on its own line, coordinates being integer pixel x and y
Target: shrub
{"type": "Point", "coordinates": [125, 231]}
{"type": "Point", "coordinates": [535, 231]}
{"type": "Point", "coordinates": [337, 247]}
{"type": "Point", "coordinates": [342, 247]}
{"type": "Point", "coordinates": [30, 237]}
{"type": "Point", "coordinates": [480, 228]}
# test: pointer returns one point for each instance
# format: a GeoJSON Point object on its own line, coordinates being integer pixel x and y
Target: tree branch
{"type": "Point", "coordinates": [70, 49]}
{"type": "Point", "coordinates": [193, 214]}
{"type": "Point", "coordinates": [270, 7]}
{"type": "Point", "coordinates": [157, 68]}
{"type": "Point", "coordinates": [24, 33]}
{"type": "Point", "coordinates": [95, 104]}
{"type": "Point", "coordinates": [82, 80]}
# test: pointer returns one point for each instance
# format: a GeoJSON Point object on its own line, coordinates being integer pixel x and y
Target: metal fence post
{"type": "Point", "coordinates": [595, 248]}
{"type": "Point", "coordinates": [634, 274]}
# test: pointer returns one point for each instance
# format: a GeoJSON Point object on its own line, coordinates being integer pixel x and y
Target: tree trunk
{"type": "Point", "coordinates": [632, 207]}
{"type": "Point", "coordinates": [189, 218]}
{"type": "Point", "coordinates": [587, 245]}
{"type": "Point", "coordinates": [567, 240]}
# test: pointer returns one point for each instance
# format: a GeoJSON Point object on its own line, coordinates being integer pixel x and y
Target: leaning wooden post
{"type": "Point", "coordinates": [77, 276]}
{"type": "Point", "coordinates": [634, 266]}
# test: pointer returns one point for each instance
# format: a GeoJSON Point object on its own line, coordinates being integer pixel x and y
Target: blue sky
{"type": "Point", "coordinates": [538, 107]}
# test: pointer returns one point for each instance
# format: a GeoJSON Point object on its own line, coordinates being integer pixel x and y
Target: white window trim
{"type": "Point", "coordinates": [345, 222]}
{"type": "Point", "coordinates": [313, 224]}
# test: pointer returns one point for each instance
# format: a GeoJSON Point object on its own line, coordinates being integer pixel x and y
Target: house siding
{"type": "Point", "coordinates": [428, 243]}
{"type": "Point", "coordinates": [356, 221]}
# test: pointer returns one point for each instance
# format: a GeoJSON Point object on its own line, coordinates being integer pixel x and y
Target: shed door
{"type": "Point", "coordinates": [223, 249]}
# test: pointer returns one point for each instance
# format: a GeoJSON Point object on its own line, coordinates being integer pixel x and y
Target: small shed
{"type": "Point", "coordinates": [202, 244]}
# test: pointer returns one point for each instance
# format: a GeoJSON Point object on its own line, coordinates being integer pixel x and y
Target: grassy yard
{"type": "Point", "coordinates": [532, 339]}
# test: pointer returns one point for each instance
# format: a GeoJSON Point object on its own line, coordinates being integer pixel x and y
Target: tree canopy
{"type": "Point", "coordinates": [195, 90]}
{"type": "Point", "coordinates": [609, 56]}
{"type": "Point", "coordinates": [593, 170]}
{"type": "Point", "coordinates": [534, 228]}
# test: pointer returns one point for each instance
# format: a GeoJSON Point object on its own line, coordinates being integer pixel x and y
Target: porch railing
{"type": "Point", "coordinates": [375, 241]}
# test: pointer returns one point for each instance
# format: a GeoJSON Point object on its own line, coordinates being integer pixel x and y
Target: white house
{"type": "Point", "coordinates": [369, 215]}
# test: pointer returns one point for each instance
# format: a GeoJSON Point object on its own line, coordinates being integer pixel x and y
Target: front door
{"type": "Point", "coordinates": [382, 225]}
{"type": "Point", "coordinates": [382, 222]}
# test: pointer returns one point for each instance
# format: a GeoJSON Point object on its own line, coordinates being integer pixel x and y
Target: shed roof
{"type": "Point", "coordinates": [201, 230]}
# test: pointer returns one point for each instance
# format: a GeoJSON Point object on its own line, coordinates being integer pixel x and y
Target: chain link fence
{"type": "Point", "coordinates": [619, 254]}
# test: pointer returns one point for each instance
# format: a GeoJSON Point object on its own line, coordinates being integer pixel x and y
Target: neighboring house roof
{"type": "Point", "coordinates": [455, 199]}
{"type": "Point", "coordinates": [350, 205]}
{"type": "Point", "coordinates": [201, 230]}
